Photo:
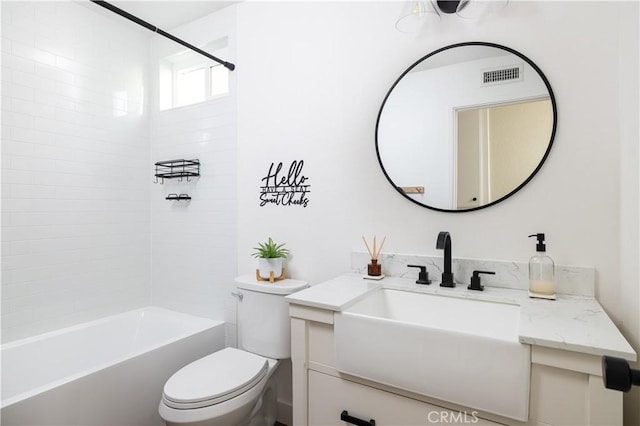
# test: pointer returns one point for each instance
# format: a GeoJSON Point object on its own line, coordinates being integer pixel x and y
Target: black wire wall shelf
{"type": "Point", "coordinates": [177, 169]}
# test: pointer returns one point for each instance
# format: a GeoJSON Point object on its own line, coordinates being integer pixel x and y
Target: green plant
{"type": "Point", "coordinates": [270, 250]}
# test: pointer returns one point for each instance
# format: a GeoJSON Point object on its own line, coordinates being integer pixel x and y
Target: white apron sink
{"type": "Point", "coordinates": [457, 350]}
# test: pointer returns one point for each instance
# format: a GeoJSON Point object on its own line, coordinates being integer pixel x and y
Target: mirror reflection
{"type": "Point", "coordinates": [466, 127]}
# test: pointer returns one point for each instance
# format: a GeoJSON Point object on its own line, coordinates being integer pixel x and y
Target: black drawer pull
{"type": "Point", "coordinates": [345, 417]}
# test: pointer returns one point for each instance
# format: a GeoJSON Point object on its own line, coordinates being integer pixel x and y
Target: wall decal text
{"type": "Point", "coordinates": [285, 188]}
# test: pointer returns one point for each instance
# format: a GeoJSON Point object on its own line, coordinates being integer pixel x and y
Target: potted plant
{"type": "Point", "coordinates": [270, 257]}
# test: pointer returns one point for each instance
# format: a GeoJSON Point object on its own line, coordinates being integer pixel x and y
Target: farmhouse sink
{"type": "Point", "coordinates": [453, 349]}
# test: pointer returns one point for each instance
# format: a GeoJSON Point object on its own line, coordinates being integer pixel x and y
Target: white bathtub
{"type": "Point", "coordinates": [105, 372]}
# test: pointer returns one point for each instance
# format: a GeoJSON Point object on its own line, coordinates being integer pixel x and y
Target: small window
{"type": "Point", "coordinates": [190, 86]}
{"type": "Point", "coordinates": [219, 80]}
{"type": "Point", "coordinates": [188, 78]}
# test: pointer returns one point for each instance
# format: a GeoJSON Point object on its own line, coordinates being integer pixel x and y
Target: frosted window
{"type": "Point", "coordinates": [188, 78]}
{"type": "Point", "coordinates": [219, 80]}
{"type": "Point", "coordinates": [190, 86]}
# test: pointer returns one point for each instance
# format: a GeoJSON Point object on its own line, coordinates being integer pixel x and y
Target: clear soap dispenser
{"type": "Point", "coordinates": [541, 272]}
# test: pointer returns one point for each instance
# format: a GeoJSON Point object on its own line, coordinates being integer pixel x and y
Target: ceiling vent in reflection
{"type": "Point", "coordinates": [502, 75]}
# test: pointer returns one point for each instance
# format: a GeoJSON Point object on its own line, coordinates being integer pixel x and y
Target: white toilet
{"type": "Point", "coordinates": [237, 386]}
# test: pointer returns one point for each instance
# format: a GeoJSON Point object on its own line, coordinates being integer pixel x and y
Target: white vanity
{"type": "Point", "coordinates": [406, 354]}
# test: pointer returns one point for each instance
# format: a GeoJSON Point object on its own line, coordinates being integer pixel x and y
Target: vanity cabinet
{"type": "Point", "coordinates": [566, 387]}
{"type": "Point", "coordinates": [331, 396]}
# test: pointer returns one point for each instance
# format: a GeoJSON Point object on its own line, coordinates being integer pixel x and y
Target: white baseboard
{"type": "Point", "coordinates": [285, 413]}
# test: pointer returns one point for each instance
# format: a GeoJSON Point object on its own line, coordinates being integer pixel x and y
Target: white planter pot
{"type": "Point", "coordinates": [265, 266]}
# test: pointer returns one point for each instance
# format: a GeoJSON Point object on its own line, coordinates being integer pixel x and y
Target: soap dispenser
{"type": "Point", "coordinates": [541, 272]}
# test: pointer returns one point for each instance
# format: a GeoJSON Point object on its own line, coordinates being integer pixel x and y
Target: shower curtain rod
{"type": "Point", "coordinates": [155, 29]}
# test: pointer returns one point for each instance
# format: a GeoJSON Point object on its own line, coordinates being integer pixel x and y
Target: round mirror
{"type": "Point", "coordinates": [465, 127]}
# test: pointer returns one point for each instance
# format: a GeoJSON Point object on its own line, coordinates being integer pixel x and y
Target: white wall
{"type": "Point", "coordinates": [629, 119]}
{"type": "Point", "coordinates": [75, 171]}
{"type": "Point", "coordinates": [312, 77]}
{"type": "Point", "coordinates": [194, 243]}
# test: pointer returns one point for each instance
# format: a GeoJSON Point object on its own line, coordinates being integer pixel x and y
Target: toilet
{"type": "Point", "coordinates": [237, 386]}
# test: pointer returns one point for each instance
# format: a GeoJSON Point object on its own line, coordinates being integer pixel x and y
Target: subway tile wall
{"type": "Point", "coordinates": [194, 243]}
{"type": "Point", "coordinates": [75, 167]}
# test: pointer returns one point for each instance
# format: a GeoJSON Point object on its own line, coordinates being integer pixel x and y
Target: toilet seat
{"type": "Point", "coordinates": [213, 379]}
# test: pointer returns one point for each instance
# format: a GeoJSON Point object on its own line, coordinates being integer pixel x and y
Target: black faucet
{"type": "Point", "coordinates": [444, 242]}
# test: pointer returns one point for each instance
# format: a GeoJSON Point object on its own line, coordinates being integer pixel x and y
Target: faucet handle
{"type": "Point", "coordinates": [475, 280]}
{"type": "Point", "coordinates": [423, 275]}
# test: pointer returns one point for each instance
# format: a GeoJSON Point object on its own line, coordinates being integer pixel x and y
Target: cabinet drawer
{"type": "Point", "coordinates": [329, 396]}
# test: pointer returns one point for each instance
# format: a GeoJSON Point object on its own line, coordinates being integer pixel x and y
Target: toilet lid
{"type": "Point", "coordinates": [214, 379]}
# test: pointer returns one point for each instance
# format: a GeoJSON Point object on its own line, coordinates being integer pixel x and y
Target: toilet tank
{"type": "Point", "coordinates": [263, 316]}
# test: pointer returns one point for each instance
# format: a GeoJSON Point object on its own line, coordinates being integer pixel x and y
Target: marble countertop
{"type": "Point", "coordinates": [575, 323]}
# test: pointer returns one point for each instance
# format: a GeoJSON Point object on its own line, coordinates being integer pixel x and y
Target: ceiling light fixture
{"type": "Point", "coordinates": [418, 14]}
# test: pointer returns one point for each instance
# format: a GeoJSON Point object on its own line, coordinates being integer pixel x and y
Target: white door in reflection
{"type": "Point", "coordinates": [497, 148]}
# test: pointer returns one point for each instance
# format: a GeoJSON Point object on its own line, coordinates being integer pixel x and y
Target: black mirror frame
{"type": "Point", "coordinates": [538, 167]}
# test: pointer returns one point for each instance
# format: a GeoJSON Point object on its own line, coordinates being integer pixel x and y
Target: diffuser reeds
{"type": "Point", "coordinates": [376, 250]}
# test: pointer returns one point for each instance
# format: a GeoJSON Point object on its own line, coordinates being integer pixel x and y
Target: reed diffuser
{"type": "Point", "coordinates": [374, 269]}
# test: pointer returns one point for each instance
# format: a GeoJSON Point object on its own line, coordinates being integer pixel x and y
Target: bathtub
{"type": "Point", "coordinates": [105, 372]}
